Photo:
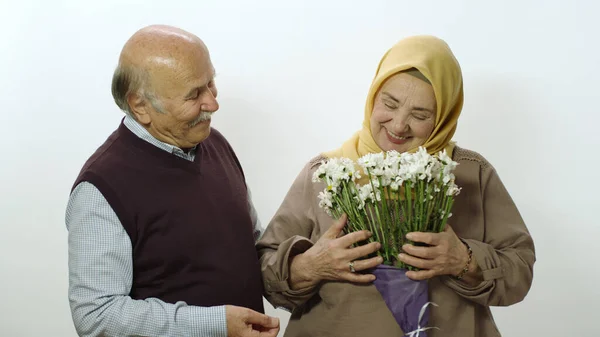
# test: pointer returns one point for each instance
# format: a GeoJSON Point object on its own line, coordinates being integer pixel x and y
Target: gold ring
{"type": "Point", "coordinates": [351, 265]}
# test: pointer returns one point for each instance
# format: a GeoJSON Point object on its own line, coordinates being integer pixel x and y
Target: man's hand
{"type": "Point", "coordinates": [244, 322]}
{"type": "Point", "coordinates": [330, 258]}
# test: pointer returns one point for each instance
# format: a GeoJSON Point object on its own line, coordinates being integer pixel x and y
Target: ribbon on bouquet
{"type": "Point", "coordinates": [419, 329]}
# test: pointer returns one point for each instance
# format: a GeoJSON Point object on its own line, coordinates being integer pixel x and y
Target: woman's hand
{"type": "Point", "coordinates": [446, 255]}
{"type": "Point", "coordinates": [331, 257]}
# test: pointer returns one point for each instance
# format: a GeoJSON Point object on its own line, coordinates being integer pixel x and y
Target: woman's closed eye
{"type": "Point", "coordinates": [390, 105]}
{"type": "Point", "coordinates": [420, 116]}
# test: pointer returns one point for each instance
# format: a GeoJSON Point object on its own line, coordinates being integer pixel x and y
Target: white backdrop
{"type": "Point", "coordinates": [292, 78]}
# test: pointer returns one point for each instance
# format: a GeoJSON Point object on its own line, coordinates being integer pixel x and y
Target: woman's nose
{"type": "Point", "coordinates": [400, 124]}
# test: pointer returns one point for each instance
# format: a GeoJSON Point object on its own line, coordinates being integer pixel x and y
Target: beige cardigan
{"type": "Point", "coordinates": [483, 214]}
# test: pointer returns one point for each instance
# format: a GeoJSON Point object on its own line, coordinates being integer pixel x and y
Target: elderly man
{"type": "Point", "coordinates": [161, 224]}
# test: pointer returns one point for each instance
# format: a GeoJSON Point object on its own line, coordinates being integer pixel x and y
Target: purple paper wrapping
{"type": "Point", "coordinates": [403, 296]}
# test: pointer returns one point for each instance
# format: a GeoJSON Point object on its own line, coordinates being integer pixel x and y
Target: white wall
{"type": "Point", "coordinates": [293, 78]}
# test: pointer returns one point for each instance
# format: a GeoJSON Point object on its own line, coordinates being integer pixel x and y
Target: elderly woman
{"type": "Point", "coordinates": [483, 258]}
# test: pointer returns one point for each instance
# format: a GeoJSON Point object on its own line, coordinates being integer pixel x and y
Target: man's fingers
{"type": "Point", "coordinates": [273, 323]}
{"type": "Point", "coordinates": [271, 332]}
{"type": "Point", "coordinates": [336, 227]}
{"type": "Point", "coordinates": [262, 320]}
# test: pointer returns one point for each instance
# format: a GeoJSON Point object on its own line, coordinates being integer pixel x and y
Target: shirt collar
{"type": "Point", "coordinates": [142, 133]}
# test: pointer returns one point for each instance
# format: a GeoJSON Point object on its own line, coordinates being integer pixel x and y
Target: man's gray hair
{"type": "Point", "coordinates": [128, 80]}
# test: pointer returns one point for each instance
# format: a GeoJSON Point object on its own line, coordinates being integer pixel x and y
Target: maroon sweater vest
{"type": "Point", "coordinates": [189, 222]}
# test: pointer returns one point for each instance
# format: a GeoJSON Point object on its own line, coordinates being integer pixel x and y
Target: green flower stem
{"type": "Point", "coordinates": [378, 222]}
{"type": "Point", "coordinates": [439, 208]}
{"type": "Point", "coordinates": [393, 222]}
{"type": "Point", "coordinates": [386, 224]}
{"type": "Point", "coordinates": [409, 205]}
{"type": "Point", "coordinates": [350, 210]}
{"type": "Point", "coordinates": [448, 202]}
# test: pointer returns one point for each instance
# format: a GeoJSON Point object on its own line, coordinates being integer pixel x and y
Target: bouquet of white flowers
{"type": "Point", "coordinates": [400, 193]}
{"type": "Point", "coordinates": [408, 192]}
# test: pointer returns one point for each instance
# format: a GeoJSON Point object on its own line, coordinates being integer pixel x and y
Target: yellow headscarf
{"type": "Point", "coordinates": [434, 59]}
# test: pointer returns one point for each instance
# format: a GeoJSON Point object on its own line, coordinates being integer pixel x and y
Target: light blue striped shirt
{"type": "Point", "coordinates": [101, 271]}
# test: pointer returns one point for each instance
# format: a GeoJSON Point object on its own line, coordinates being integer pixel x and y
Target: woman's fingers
{"type": "Point", "coordinates": [364, 250]}
{"type": "Point", "coordinates": [416, 262]}
{"type": "Point", "coordinates": [360, 265]}
{"type": "Point", "coordinates": [357, 278]}
{"type": "Point", "coordinates": [352, 238]}
{"type": "Point", "coordinates": [336, 228]}
{"type": "Point", "coordinates": [422, 252]}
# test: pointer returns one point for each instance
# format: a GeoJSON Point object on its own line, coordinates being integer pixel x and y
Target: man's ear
{"type": "Point", "coordinates": [138, 105]}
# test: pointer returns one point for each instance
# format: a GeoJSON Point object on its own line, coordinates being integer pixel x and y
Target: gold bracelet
{"type": "Point", "coordinates": [466, 268]}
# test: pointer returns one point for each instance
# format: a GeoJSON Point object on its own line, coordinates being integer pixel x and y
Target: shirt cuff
{"type": "Point", "coordinates": [205, 321]}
